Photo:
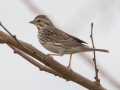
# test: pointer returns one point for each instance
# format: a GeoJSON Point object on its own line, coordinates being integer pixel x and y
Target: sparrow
{"type": "Point", "coordinates": [58, 41]}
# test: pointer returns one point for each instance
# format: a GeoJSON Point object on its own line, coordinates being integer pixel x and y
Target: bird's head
{"type": "Point", "coordinates": [41, 21]}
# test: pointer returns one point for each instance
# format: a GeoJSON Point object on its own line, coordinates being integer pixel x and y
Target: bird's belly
{"type": "Point", "coordinates": [50, 47]}
{"type": "Point", "coordinates": [58, 49]}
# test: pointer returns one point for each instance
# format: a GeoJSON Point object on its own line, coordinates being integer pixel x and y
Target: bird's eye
{"type": "Point", "coordinates": [38, 20]}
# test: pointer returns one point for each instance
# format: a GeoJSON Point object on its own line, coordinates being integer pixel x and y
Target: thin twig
{"type": "Point", "coordinates": [94, 59]}
{"type": "Point", "coordinates": [102, 71]}
{"type": "Point", "coordinates": [11, 34]}
{"type": "Point", "coordinates": [14, 37]}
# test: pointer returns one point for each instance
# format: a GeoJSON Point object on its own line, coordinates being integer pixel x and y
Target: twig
{"type": "Point", "coordinates": [94, 59]}
{"type": "Point", "coordinates": [14, 37]}
{"type": "Point", "coordinates": [102, 71]}
{"type": "Point", "coordinates": [11, 34]}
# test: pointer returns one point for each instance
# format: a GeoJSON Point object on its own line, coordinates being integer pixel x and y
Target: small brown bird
{"type": "Point", "coordinates": [57, 41]}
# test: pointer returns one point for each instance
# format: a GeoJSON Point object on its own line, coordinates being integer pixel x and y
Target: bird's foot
{"type": "Point", "coordinates": [49, 55]}
{"type": "Point", "coordinates": [57, 54]}
{"type": "Point", "coordinates": [69, 68]}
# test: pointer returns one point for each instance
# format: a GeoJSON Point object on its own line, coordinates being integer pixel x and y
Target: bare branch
{"type": "Point", "coordinates": [50, 62]}
{"type": "Point", "coordinates": [94, 59]}
{"type": "Point", "coordinates": [37, 64]}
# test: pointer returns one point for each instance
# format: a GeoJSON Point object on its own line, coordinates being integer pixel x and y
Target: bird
{"type": "Point", "coordinates": [58, 41]}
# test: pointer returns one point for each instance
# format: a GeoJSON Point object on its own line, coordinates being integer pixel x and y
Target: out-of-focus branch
{"type": "Point", "coordinates": [33, 8]}
{"type": "Point", "coordinates": [50, 62]}
{"type": "Point", "coordinates": [37, 64]}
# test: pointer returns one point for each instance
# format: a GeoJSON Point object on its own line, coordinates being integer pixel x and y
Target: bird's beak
{"type": "Point", "coordinates": [32, 22]}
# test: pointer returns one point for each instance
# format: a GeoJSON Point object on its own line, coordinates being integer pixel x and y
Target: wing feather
{"type": "Point", "coordinates": [57, 36]}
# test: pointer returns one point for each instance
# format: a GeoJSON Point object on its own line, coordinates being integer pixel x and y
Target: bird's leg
{"type": "Point", "coordinates": [51, 55]}
{"type": "Point", "coordinates": [69, 65]}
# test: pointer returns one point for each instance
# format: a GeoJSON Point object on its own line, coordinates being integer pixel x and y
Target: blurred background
{"type": "Point", "coordinates": [73, 17]}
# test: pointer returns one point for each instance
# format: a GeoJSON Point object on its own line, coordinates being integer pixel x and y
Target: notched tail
{"type": "Point", "coordinates": [101, 50]}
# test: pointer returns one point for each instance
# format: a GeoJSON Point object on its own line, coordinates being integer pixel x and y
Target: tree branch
{"type": "Point", "coordinates": [37, 64]}
{"type": "Point", "coordinates": [50, 62]}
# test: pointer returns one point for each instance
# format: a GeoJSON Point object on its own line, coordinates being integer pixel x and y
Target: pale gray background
{"type": "Point", "coordinates": [72, 16]}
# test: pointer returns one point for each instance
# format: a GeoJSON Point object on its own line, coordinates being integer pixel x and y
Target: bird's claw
{"type": "Point", "coordinates": [69, 68]}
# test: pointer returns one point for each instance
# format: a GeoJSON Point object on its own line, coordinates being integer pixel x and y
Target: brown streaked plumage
{"type": "Point", "coordinates": [57, 41]}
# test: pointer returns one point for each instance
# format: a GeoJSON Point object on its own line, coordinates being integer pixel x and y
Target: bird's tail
{"type": "Point", "coordinates": [94, 49]}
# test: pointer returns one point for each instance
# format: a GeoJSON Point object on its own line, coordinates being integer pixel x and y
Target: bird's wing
{"type": "Point", "coordinates": [57, 36]}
